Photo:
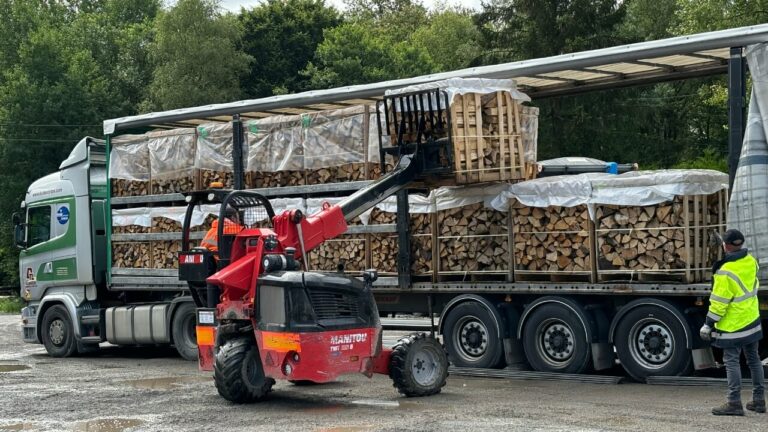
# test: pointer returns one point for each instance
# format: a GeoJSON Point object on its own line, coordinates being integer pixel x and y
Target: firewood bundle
{"type": "Point", "coordinates": [131, 255]}
{"type": "Point", "coordinates": [207, 176]}
{"type": "Point", "coordinates": [259, 179]}
{"type": "Point", "coordinates": [671, 239]}
{"type": "Point", "coordinates": [123, 187]}
{"type": "Point", "coordinates": [487, 138]}
{"type": "Point", "coordinates": [472, 238]}
{"type": "Point", "coordinates": [130, 229]}
{"type": "Point", "coordinates": [165, 254]}
{"type": "Point", "coordinates": [552, 239]}
{"type": "Point", "coordinates": [346, 250]}
{"type": "Point", "coordinates": [172, 160]}
{"type": "Point", "coordinates": [336, 174]}
{"type": "Point", "coordinates": [384, 253]}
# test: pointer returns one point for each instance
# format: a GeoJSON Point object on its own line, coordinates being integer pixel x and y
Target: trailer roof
{"type": "Point", "coordinates": [621, 66]}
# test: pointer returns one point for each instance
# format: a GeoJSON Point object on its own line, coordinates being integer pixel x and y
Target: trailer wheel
{"type": "Point", "coordinates": [238, 373]}
{"type": "Point", "coordinates": [418, 366]}
{"type": "Point", "coordinates": [471, 337]}
{"type": "Point", "coordinates": [58, 333]}
{"type": "Point", "coordinates": [651, 341]}
{"type": "Point", "coordinates": [184, 332]}
{"type": "Point", "coordinates": [555, 340]}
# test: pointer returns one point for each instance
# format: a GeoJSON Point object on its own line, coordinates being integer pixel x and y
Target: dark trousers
{"type": "Point", "coordinates": [732, 368]}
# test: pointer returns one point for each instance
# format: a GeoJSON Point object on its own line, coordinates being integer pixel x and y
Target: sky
{"type": "Point", "coordinates": [235, 5]}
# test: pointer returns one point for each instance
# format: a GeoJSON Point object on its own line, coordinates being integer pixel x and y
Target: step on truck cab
{"type": "Point", "coordinates": [61, 229]}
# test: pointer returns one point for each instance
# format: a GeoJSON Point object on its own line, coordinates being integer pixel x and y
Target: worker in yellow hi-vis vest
{"type": "Point", "coordinates": [734, 313]}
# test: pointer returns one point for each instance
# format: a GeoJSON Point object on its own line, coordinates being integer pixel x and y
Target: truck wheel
{"type": "Point", "coordinates": [471, 337]}
{"type": "Point", "coordinates": [555, 340]}
{"type": "Point", "coordinates": [58, 332]}
{"type": "Point", "coordinates": [418, 366]}
{"type": "Point", "coordinates": [238, 374]}
{"type": "Point", "coordinates": [183, 331]}
{"type": "Point", "coordinates": [651, 341]}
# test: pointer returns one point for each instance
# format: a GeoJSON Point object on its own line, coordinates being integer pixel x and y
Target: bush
{"type": "Point", "coordinates": [11, 304]}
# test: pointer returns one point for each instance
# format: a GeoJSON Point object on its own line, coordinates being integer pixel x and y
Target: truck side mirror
{"type": "Point", "coordinates": [16, 218]}
{"type": "Point", "coordinates": [20, 235]}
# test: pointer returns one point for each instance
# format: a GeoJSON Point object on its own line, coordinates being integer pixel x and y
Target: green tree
{"type": "Point", "coordinates": [61, 79]}
{"type": "Point", "coordinates": [450, 38]}
{"type": "Point", "coordinates": [352, 54]}
{"type": "Point", "coordinates": [282, 37]}
{"type": "Point", "coordinates": [196, 57]}
{"type": "Point", "coordinates": [397, 19]}
{"type": "Point", "coordinates": [707, 15]}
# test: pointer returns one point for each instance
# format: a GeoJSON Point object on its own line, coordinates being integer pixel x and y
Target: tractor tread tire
{"type": "Point", "coordinates": [400, 370]}
{"type": "Point", "coordinates": [229, 372]}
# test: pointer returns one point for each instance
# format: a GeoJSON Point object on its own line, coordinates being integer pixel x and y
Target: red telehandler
{"type": "Point", "coordinates": [266, 316]}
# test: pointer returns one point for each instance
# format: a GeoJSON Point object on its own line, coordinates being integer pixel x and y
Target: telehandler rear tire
{"type": "Point", "coordinates": [238, 373]}
{"type": "Point", "coordinates": [418, 366]}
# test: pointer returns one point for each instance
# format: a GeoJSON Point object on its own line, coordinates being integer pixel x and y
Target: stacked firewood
{"type": "Point", "coordinates": [131, 255]}
{"type": "Point", "coordinates": [551, 239]}
{"type": "Point", "coordinates": [263, 179]}
{"type": "Point", "coordinates": [208, 176]}
{"type": "Point", "coordinates": [383, 247]}
{"type": "Point", "coordinates": [130, 229]}
{"type": "Point", "coordinates": [123, 187]}
{"type": "Point", "coordinates": [642, 238]}
{"type": "Point", "coordinates": [165, 254]}
{"type": "Point", "coordinates": [472, 238]}
{"type": "Point", "coordinates": [652, 239]}
{"type": "Point", "coordinates": [172, 160]}
{"type": "Point", "coordinates": [336, 174]}
{"type": "Point", "coordinates": [345, 251]}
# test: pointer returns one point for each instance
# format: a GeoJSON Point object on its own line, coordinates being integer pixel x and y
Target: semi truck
{"type": "Point", "coordinates": [77, 299]}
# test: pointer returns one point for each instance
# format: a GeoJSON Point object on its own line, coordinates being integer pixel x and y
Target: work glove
{"type": "Point", "coordinates": [705, 333]}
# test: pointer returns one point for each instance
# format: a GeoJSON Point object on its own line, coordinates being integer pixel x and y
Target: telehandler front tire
{"type": "Point", "coordinates": [238, 373]}
{"type": "Point", "coordinates": [418, 366]}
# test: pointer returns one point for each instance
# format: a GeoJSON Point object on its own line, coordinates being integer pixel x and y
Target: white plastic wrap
{"type": "Point", "coordinates": [635, 188]}
{"type": "Point", "coordinates": [333, 138]}
{"type": "Point", "coordinates": [446, 198]}
{"type": "Point", "coordinates": [172, 153]}
{"type": "Point", "coordinates": [129, 158]}
{"type": "Point", "coordinates": [530, 128]}
{"type": "Point", "coordinates": [275, 144]}
{"type": "Point", "coordinates": [748, 207]}
{"type": "Point", "coordinates": [454, 86]}
{"type": "Point", "coordinates": [279, 205]}
{"type": "Point", "coordinates": [140, 216]}
{"type": "Point", "coordinates": [215, 146]}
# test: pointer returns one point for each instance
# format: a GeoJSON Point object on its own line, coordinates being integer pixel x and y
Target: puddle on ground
{"type": "Point", "coordinates": [107, 425]}
{"type": "Point", "coordinates": [11, 368]}
{"type": "Point", "coordinates": [376, 403]}
{"type": "Point", "coordinates": [17, 427]}
{"type": "Point", "coordinates": [164, 383]}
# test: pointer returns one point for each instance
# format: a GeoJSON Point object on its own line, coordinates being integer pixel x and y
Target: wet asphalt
{"type": "Point", "coordinates": [137, 389]}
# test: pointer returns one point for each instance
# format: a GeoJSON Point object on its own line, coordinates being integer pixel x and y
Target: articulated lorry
{"type": "Point", "coordinates": [78, 298]}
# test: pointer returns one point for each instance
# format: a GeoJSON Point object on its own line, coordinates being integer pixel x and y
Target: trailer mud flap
{"type": "Point", "coordinates": [206, 338]}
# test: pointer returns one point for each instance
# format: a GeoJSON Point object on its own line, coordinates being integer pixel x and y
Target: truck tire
{"type": "Point", "coordinates": [183, 331]}
{"type": "Point", "coordinates": [471, 337]}
{"type": "Point", "coordinates": [650, 341]}
{"type": "Point", "coordinates": [555, 340]}
{"type": "Point", "coordinates": [58, 334]}
{"type": "Point", "coordinates": [418, 366]}
{"type": "Point", "coordinates": [238, 373]}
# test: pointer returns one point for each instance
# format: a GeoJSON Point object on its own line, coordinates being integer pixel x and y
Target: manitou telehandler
{"type": "Point", "coordinates": [268, 317]}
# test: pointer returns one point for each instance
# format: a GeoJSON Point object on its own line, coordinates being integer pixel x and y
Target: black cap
{"type": "Point", "coordinates": [733, 237]}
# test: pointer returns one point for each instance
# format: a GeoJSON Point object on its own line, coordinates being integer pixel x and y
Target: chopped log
{"type": "Point", "coordinates": [165, 254]}
{"type": "Point", "coordinates": [552, 239]}
{"type": "Point", "coordinates": [131, 255]}
{"type": "Point", "coordinates": [469, 238]}
{"type": "Point", "coordinates": [124, 188]}
{"type": "Point", "coordinates": [348, 251]}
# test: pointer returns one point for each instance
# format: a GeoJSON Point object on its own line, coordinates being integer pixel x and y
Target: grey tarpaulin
{"type": "Point", "coordinates": [748, 208]}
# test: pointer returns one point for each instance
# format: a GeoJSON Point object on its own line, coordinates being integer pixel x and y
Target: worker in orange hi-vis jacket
{"type": "Point", "coordinates": [211, 242]}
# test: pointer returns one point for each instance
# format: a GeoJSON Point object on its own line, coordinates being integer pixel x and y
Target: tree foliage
{"type": "Point", "coordinates": [196, 57]}
{"type": "Point", "coordinates": [282, 36]}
